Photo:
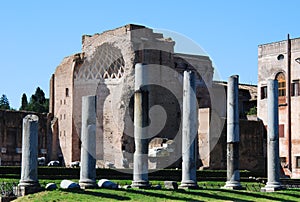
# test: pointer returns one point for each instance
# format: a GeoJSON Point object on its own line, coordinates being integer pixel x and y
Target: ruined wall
{"type": "Point", "coordinates": [11, 136]}
{"type": "Point", "coordinates": [252, 148]}
{"type": "Point", "coordinates": [107, 70]}
{"type": "Point", "coordinates": [63, 103]}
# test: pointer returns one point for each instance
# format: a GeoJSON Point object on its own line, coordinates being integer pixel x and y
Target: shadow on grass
{"type": "Point", "coordinates": [158, 195]}
{"type": "Point", "coordinates": [255, 195]}
{"type": "Point", "coordinates": [212, 196]}
{"type": "Point", "coordinates": [286, 193]}
{"type": "Point", "coordinates": [98, 194]}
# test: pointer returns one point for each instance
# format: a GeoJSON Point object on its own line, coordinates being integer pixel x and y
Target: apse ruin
{"type": "Point", "coordinates": [105, 68]}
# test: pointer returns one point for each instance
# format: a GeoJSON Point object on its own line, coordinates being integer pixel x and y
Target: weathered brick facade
{"type": "Point", "coordinates": [273, 63]}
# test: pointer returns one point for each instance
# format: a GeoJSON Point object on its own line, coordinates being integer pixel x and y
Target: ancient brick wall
{"type": "Point", "coordinates": [63, 103]}
{"type": "Point", "coordinates": [252, 148]}
{"type": "Point", "coordinates": [11, 136]}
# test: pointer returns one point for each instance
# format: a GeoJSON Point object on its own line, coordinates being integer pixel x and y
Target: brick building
{"type": "Point", "coordinates": [281, 61]}
{"type": "Point", "coordinates": [105, 68]}
{"type": "Point", "coordinates": [11, 136]}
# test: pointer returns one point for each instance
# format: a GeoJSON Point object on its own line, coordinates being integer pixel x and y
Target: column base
{"type": "Point", "coordinates": [272, 187]}
{"type": "Point", "coordinates": [22, 190]}
{"type": "Point", "coordinates": [88, 184]}
{"type": "Point", "coordinates": [189, 184]}
{"type": "Point", "coordinates": [141, 184]}
{"type": "Point", "coordinates": [29, 183]}
{"type": "Point", "coordinates": [234, 185]}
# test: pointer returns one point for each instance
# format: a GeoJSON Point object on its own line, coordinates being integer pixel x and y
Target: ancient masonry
{"type": "Point", "coordinates": [106, 69]}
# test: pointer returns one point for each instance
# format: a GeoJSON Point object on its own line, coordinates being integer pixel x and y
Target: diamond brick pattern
{"type": "Point", "coordinates": [107, 63]}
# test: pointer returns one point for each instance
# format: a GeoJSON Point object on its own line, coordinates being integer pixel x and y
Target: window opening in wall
{"type": "Point", "coordinates": [281, 130]}
{"type": "Point", "coordinates": [280, 57]}
{"type": "Point", "coordinates": [264, 93]}
{"type": "Point", "coordinates": [281, 84]}
{"type": "Point", "coordinates": [297, 161]}
{"type": "Point", "coordinates": [295, 88]}
{"type": "Point", "coordinates": [280, 77]}
{"type": "Point", "coordinates": [283, 162]}
{"type": "Point", "coordinates": [67, 92]}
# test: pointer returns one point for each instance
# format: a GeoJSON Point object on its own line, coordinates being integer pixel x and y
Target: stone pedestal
{"type": "Point", "coordinates": [233, 134]}
{"type": "Point", "coordinates": [273, 183]}
{"type": "Point", "coordinates": [29, 168]}
{"type": "Point", "coordinates": [141, 120]}
{"type": "Point", "coordinates": [25, 190]}
{"type": "Point", "coordinates": [88, 143]}
{"type": "Point", "coordinates": [189, 132]}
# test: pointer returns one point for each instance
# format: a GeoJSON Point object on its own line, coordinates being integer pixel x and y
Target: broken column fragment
{"type": "Point", "coordinates": [29, 170]}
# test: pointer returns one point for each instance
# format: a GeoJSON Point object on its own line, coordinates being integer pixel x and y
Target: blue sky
{"type": "Point", "coordinates": [36, 36]}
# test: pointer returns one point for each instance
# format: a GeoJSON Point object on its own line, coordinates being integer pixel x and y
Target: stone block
{"type": "Point", "coordinates": [68, 184]}
{"type": "Point", "coordinates": [51, 186]}
{"type": "Point", "coordinates": [104, 183]}
{"type": "Point", "coordinates": [171, 185]}
{"type": "Point", "coordinates": [127, 186]}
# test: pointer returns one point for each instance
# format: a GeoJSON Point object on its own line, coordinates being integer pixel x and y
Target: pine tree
{"type": "Point", "coordinates": [24, 103]}
{"type": "Point", "coordinates": [38, 102]}
{"type": "Point", "coordinates": [4, 103]}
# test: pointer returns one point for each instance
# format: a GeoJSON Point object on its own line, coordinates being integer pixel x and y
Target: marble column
{"type": "Point", "coordinates": [141, 121]}
{"type": "Point", "coordinates": [233, 134]}
{"type": "Point", "coordinates": [273, 183]}
{"type": "Point", "coordinates": [88, 143]}
{"type": "Point", "coordinates": [29, 168]}
{"type": "Point", "coordinates": [189, 131]}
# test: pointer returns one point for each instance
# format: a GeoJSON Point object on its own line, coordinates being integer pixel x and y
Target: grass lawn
{"type": "Point", "coordinates": [209, 192]}
{"type": "Point", "coordinates": [161, 195]}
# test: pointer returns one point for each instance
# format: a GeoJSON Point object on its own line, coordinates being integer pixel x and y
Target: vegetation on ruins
{"type": "Point", "coordinates": [252, 111]}
{"type": "Point", "coordinates": [38, 102]}
{"type": "Point", "coordinates": [4, 103]}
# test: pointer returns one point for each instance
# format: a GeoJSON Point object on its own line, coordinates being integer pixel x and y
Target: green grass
{"type": "Point", "coordinates": [161, 195]}
{"type": "Point", "coordinates": [210, 192]}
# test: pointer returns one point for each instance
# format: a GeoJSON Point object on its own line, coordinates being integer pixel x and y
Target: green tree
{"type": "Point", "coordinates": [24, 102]}
{"type": "Point", "coordinates": [38, 102]}
{"type": "Point", "coordinates": [4, 103]}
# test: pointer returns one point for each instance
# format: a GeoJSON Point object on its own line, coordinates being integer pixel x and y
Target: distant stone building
{"type": "Point", "coordinates": [11, 136]}
{"type": "Point", "coordinates": [105, 68]}
{"type": "Point", "coordinates": [281, 61]}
